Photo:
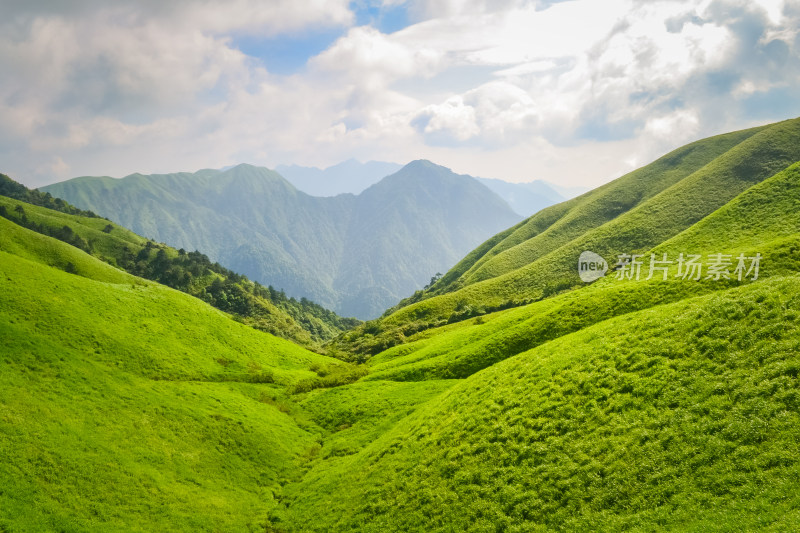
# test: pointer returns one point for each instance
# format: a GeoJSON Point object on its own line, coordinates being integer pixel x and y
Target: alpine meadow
{"type": "Point", "coordinates": [383, 266]}
{"type": "Point", "coordinates": [508, 395]}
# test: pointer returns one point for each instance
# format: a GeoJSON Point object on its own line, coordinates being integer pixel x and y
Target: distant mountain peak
{"type": "Point", "coordinates": [424, 163]}
{"type": "Point", "coordinates": [355, 254]}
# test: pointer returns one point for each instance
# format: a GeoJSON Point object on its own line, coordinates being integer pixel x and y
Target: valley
{"type": "Point", "coordinates": [509, 395]}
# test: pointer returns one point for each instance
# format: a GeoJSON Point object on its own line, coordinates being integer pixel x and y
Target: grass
{"type": "Point", "coordinates": [357, 414]}
{"type": "Point", "coordinates": [48, 251]}
{"type": "Point", "coordinates": [119, 413]}
{"type": "Point", "coordinates": [680, 417]}
{"type": "Point", "coordinates": [605, 204]}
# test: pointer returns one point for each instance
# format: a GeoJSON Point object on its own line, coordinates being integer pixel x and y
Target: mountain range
{"type": "Point", "coordinates": [356, 255]}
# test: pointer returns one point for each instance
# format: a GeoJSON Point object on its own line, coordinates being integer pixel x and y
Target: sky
{"type": "Point", "coordinates": [573, 92]}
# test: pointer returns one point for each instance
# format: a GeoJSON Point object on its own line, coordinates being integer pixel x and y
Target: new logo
{"type": "Point", "coordinates": [591, 266]}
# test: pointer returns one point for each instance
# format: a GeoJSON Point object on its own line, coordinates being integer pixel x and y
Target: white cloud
{"type": "Point", "coordinates": [453, 116]}
{"type": "Point", "coordinates": [512, 89]}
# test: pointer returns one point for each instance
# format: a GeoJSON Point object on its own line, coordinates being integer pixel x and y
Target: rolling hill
{"type": "Point", "coordinates": [681, 417]}
{"type": "Point", "coordinates": [623, 405]}
{"type": "Point", "coordinates": [356, 255]}
{"type": "Point", "coordinates": [129, 406]}
{"type": "Point", "coordinates": [510, 396]}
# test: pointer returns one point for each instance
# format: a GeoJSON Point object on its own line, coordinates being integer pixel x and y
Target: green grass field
{"type": "Point", "coordinates": [128, 406]}
{"type": "Point", "coordinates": [680, 417]}
{"type": "Point", "coordinates": [619, 405]}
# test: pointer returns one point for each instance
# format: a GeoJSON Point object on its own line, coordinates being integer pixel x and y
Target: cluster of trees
{"type": "Point", "coordinates": [63, 233]}
{"type": "Point", "coordinates": [17, 191]}
{"type": "Point", "coordinates": [195, 274]}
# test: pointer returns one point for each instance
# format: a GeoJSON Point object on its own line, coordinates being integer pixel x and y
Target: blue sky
{"type": "Point", "coordinates": [575, 92]}
{"type": "Point", "coordinates": [288, 54]}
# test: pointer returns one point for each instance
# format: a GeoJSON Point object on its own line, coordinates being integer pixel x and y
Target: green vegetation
{"type": "Point", "coordinates": [262, 307]}
{"type": "Point", "coordinates": [128, 406]}
{"type": "Point", "coordinates": [357, 414]}
{"type": "Point", "coordinates": [682, 417]}
{"type": "Point", "coordinates": [504, 397]}
{"type": "Point", "coordinates": [11, 189]}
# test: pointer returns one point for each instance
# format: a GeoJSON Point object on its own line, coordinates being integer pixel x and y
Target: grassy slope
{"type": "Point", "coordinates": [763, 219]}
{"type": "Point", "coordinates": [549, 267]}
{"type": "Point", "coordinates": [622, 406]}
{"type": "Point", "coordinates": [118, 413]}
{"type": "Point", "coordinates": [682, 416]}
{"type": "Point", "coordinates": [307, 330]}
{"type": "Point", "coordinates": [556, 225]}
{"type": "Point", "coordinates": [49, 251]}
{"type": "Point", "coordinates": [602, 205]}
{"type": "Point", "coordinates": [357, 414]}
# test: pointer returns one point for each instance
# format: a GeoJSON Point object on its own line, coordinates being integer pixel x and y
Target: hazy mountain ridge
{"type": "Point", "coordinates": [525, 198]}
{"type": "Point", "coordinates": [255, 222]}
{"type": "Point", "coordinates": [353, 177]}
{"type": "Point", "coordinates": [349, 176]}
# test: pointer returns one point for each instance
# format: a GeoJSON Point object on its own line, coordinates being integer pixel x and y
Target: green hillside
{"type": "Point", "coordinates": [510, 396]}
{"type": "Point", "coordinates": [764, 219]}
{"type": "Point", "coordinates": [128, 406]}
{"type": "Point", "coordinates": [681, 417]}
{"type": "Point", "coordinates": [633, 214]}
{"type": "Point", "coordinates": [262, 307]}
{"type": "Point", "coordinates": [356, 255]}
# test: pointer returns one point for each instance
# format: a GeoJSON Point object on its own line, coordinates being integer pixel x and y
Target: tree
{"type": "Point", "coordinates": [434, 279]}
{"type": "Point", "coordinates": [108, 228]}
